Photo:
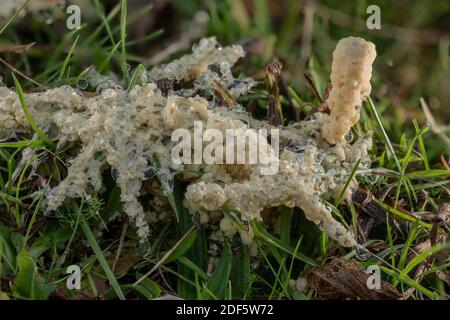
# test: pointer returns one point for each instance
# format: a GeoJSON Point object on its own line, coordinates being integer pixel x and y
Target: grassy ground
{"type": "Point", "coordinates": [409, 179]}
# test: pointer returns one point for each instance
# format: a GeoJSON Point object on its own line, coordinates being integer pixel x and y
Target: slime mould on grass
{"type": "Point", "coordinates": [126, 132]}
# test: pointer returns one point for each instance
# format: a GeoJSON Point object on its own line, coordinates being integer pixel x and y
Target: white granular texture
{"type": "Point", "coordinates": [126, 132]}
{"type": "Point", "coordinates": [351, 71]}
{"type": "Point", "coordinates": [207, 52]}
{"type": "Point", "coordinates": [311, 171]}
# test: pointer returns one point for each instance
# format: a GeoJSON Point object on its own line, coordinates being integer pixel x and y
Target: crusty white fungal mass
{"type": "Point", "coordinates": [130, 133]}
{"type": "Point", "coordinates": [351, 71]}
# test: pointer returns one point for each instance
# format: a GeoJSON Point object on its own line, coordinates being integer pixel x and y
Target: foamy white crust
{"type": "Point", "coordinates": [351, 72]}
{"type": "Point", "coordinates": [127, 131]}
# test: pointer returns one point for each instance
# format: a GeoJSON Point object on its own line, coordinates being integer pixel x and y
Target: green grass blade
{"type": "Point", "coordinates": [13, 17]}
{"type": "Point", "coordinates": [347, 183]}
{"type": "Point", "coordinates": [270, 239]}
{"type": "Point", "coordinates": [30, 119]}
{"type": "Point", "coordinates": [423, 256]}
{"type": "Point", "coordinates": [285, 225]}
{"type": "Point", "coordinates": [67, 60]}
{"type": "Point", "coordinates": [123, 36]}
{"type": "Point", "coordinates": [432, 173]}
{"type": "Point", "coordinates": [423, 151]}
{"type": "Point", "coordinates": [108, 57]}
{"type": "Point", "coordinates": [101, 12]}
{"type": "Point", "coordinates": [402, 215]}
{"type": "Point", "coordinates": [218, 282]}
{"type": "Point", "coordinates": [386, 137]}
{"type": "Point", "coordinates": [101, 259]}
{"type": "Point", "coordinates": [137, 75]}
{"type": "Point", "coordinates": [408, 281]}
{"type": "Point", "coordinates": [182, 247]}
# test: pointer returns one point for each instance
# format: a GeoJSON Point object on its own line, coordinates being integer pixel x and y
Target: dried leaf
{"type": "Point", "coordinates": [225, 96]}
{"type": "Point", "coordinates": [444, 162]}
{"type": "Point", "coordinates": [125, 263]}
{"type": "Point", "coordinates": [273, 115]}
{"type": "Point", "coordinates": [341, 278]}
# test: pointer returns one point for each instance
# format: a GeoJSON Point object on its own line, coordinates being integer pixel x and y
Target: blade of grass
{"type": "Point", "coordinates": [390, 240]}
{"type": "Point", "coordinates": [166, 256]}
{"type": "Point", "coordinates": [432, 173]}
{"type": "Point", "coordinates": [409, 241]}
{"type": "Point", "coordinates": [402, 215]}
{"type": "Point", "coordinates": [347, 183]}
{"type": "Point", "coordinates": [6, 196]}
{"type": "Point", "coordinates": [20, 73]}
{"type": "Point", "coordinates": [168, 192]}
{"type": "Point", "coordinates": [423, 256]}
{"type": "Point", "coordinates": [30, 119]}
{"type": "Point", "coordinates": [191, 265]}
{"type": "Point", "coordinates": [68, 57]}
{"type": "Point", "coordinates": [182, 247]}
{"type": "Point", "coordinates": [241, 273]}
{"type": "Point", "coordinates": [22, 144]}
{"type": "Point", "coordinates": [94, 35]}
{"type": "Point", "coordinates": [140, 70]}
{"type": "Point", "coordinates": [217, 284]}
{"type": "Point", "coordinates": [421, 144]}
{"type": "Point", "coordinates": [101, 12]}
{"type": "Point", "coordinates": [261, 233]}
{"type": "Point", "coordinates": [285, 225]}
{"type": "Point", "coordinates": [408, 281]}
{"type": "Point", "coordinates": [13, 17]}
{"type": "Point", "coordinates": [354, 217]}
{"type": "Point", "coordinates": [291, 266]}
{"type": "Point", "coordinates": [101, 258]}
{"type": "Point", "coordinates": [123, 36]}
{"type": "Point", "coordinates": [149, 37]}
{"type": "Point", "coordinates": [386, 137]}
{"type": "Point", "coordinates": [109, 56]}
